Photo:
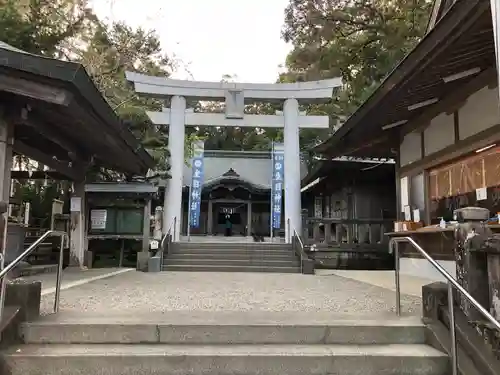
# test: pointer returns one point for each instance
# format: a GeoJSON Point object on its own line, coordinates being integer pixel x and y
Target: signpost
{"type": "Point", "coordinates": [277, 183]}
{"type": "Point", "coordinates": [196, 186]}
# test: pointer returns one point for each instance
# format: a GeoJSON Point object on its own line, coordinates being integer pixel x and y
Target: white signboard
{"type": "Point", "coordinates": [98, 219]}
{"type": "Point", "coordinates": [76, 204]}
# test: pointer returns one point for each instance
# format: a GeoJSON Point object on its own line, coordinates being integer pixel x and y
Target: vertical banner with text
{"type": "Point", "coordinates": [196, 184]}
{"type": "Point", "coordinates": [277, 185]}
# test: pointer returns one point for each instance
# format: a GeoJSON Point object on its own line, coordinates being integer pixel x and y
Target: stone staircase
{"type": "Point", "coordinates": [222, 344]}
{"type": "Point", "coordinates": [231, 257]}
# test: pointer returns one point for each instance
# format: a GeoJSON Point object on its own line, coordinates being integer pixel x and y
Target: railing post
{"type": "Point", "coordinates": [453, 338]}
{"type": "Point", "coordinates": [59, 275]}
{"type": "Point", "coordinates": [397, 274]}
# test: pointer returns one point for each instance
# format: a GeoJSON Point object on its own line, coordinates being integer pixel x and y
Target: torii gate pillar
{"type": "Point", "coordinates": [172, 205]}
{"type": "Point", "coordinates": [293, 203]}
{"type": "Point", "coordinates": [235, 95]}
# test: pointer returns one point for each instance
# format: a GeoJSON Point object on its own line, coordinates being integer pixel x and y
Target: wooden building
{"type": "Point", "coordinates": [349, 200]}
{"type": "Point", "coordinates": [236, 183]}
{"type": "Point", "coordinates": [437, 114]}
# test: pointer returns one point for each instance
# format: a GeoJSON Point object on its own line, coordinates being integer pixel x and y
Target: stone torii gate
{"type": "Point", "coordinates": [235, 95]}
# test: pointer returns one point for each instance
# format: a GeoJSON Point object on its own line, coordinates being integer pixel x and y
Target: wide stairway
{"type": "Point", "coordinates": [231, 257]}
{"type": "Point", "coordinates": [222, 344]}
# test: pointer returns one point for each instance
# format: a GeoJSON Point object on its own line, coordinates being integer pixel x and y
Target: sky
{"type": "Point", "coordinates": [211, 38]}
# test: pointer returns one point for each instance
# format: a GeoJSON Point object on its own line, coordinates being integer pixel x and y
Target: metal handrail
{"type": "Point", "coordinates": [296, 235]}
{"type": "Point", "coordinates": [21, 257]}
{"type": "Point", "coordinates": [170, 233]}
{"type": "Point", "coordinates": [452, 283]}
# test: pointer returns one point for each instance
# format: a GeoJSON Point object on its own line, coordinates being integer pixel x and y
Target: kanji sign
{"type": "Point", "coordinates": [196, 184]}
{"type": "Point", "coordinates": [278, 177]}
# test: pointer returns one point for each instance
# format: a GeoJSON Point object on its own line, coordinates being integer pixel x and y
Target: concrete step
{"type": "Point", "coordinates": [237, 256]}
{"type": "Point", "coordinates": [231, 245]}
{"type": "Point", "coordinates": [229, 252]}
{"type": "Point", "coordinates": [149, 359]}
{"type": "Point", "coordinates": [219, 268]}
{"type": "Point", "coordinates": [231, 262]}
{"type": "Point", "coordinates": [224, 328]}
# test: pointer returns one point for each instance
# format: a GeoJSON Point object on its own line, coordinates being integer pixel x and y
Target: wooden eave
{"type": "Point", "coordinates": [350, 172]}
{"type": "Point", "coordinates": [461, 40]}
{"type": "Point", "coordinates": [72, 123]}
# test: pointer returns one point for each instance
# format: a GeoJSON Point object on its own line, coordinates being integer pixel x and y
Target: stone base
{"type": "Point", "coordinates": [142, 261]}
{"type": "Point", "coordinates": [308, 266]}
{"type": "Point", "coordinates": [88, 258]}
{"type": "Point", "coordinates": [26, 295]}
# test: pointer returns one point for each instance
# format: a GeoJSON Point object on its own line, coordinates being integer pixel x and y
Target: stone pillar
{"type": "Point", "coordinates": [472, 268]}
{"type": "Point", "coordinates": [158, 222]}
{"type": "Point", "coordinates": [210, 219]}
{"type": "Point", "coordinates": [78, 227]}
{"type": "Point", "coordinates": [146, 229]}
{"type": "Point", "coordinates": [249, 218]}
{"type": "Point", "coordinates": [292, 167]}
{"type": "Point", "coordinates": [173, 191]}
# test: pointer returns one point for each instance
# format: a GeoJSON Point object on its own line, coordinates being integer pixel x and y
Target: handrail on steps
{"type": "Point", "coordinates": [5, 270]}
{"type": "Point", "coordinates": [452, 283]}
{"type": "Point", "coordinates": [292, 232]}
{"type": "Point", "coordinates": [170, 235]}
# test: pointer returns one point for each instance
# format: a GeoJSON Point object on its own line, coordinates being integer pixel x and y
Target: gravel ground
{"type": "Point", "coordinates": [137, 292]}
{"type": "Point", "coordinates": [70, 275]}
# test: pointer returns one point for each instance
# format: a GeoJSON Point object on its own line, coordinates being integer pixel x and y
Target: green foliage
{"type": "Point", "coordinates": [69, 29]}
{"type": "Point", "coordinates": [358, 40]}
{"type": "Point", "coordinates": [43, 26]}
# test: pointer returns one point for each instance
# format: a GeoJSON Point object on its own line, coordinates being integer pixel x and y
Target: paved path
{"type": "Point", "coordinates": [143, 293]}
{"type": "Point", "coordinates": [410, 285]}
{"type": "Point", "coordinates": [73, 277]}
{"type": "Point", "coordinates": [232, 239]}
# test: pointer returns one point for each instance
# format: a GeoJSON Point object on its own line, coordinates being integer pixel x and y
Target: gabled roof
{"type": "Point", "coordinates": [232, 177]}
{"type": "Point", "coordinates": [62, 96]}
{"type": "Point", "coordinates": [416, 90]}
{"type": "Point", "coordinates": [439, 9]}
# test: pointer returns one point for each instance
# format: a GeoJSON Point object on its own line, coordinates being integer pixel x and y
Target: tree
{"type": "Point", "coordinates": [358, 40]}
{"type": "Point", "coordinates": [41, 26]}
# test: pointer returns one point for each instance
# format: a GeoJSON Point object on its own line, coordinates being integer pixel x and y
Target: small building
{"type": "Point", "coordinates": [236, 183]}
{"type": "Point", "coordinates": [349, 201]}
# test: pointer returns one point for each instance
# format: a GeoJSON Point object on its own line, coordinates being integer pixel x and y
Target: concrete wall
{"type": "Point", "coordinates": [480, 112]}
{"type": "Point", "coordinates": [410, 149]}
{"type": "Point", "coordinates": [439, 134]}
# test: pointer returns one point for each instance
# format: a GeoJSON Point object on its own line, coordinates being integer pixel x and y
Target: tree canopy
{"type": "Point", "coordinates": [360, 41]}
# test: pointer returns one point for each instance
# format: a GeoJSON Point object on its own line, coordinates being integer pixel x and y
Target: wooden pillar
{"type": "Point", "coordinates": [77, 227]}
{"type": "Point", "coordinates": [146, 229]}
{"type": "Point", "coordinates": [328, 232]}
{"type": "Point", "coordinates": [210, 220]}
{"type": "Point", "coordinates": [316, 231]}
{"type": "Point", "coordinates": [305, 227]}
{"type": "Point", "coordinates": [6, 142]}
{"type": "Point", "coordinates": [249, 218]}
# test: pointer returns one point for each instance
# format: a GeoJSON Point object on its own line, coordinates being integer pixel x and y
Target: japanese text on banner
{"type": "Point", "coordinates": [277, 184]}
{"type": "Point", "coordinates": [196, 184]}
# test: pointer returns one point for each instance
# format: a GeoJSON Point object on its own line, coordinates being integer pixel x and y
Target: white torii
{"type": "Point", "coordinates": [235, 95]}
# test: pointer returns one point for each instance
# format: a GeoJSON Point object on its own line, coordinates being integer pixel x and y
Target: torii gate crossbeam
{"type": "Point", "coordinates": [235, 95]}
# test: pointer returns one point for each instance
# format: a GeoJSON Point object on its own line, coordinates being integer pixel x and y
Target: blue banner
{"type": "Point", "coordinates": [277, 185]}
{"type": "Point", "coordinates": [196, 184]}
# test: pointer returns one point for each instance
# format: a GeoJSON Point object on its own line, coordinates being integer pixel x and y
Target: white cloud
{"type": "Point", "coordinates": [214, 37]}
